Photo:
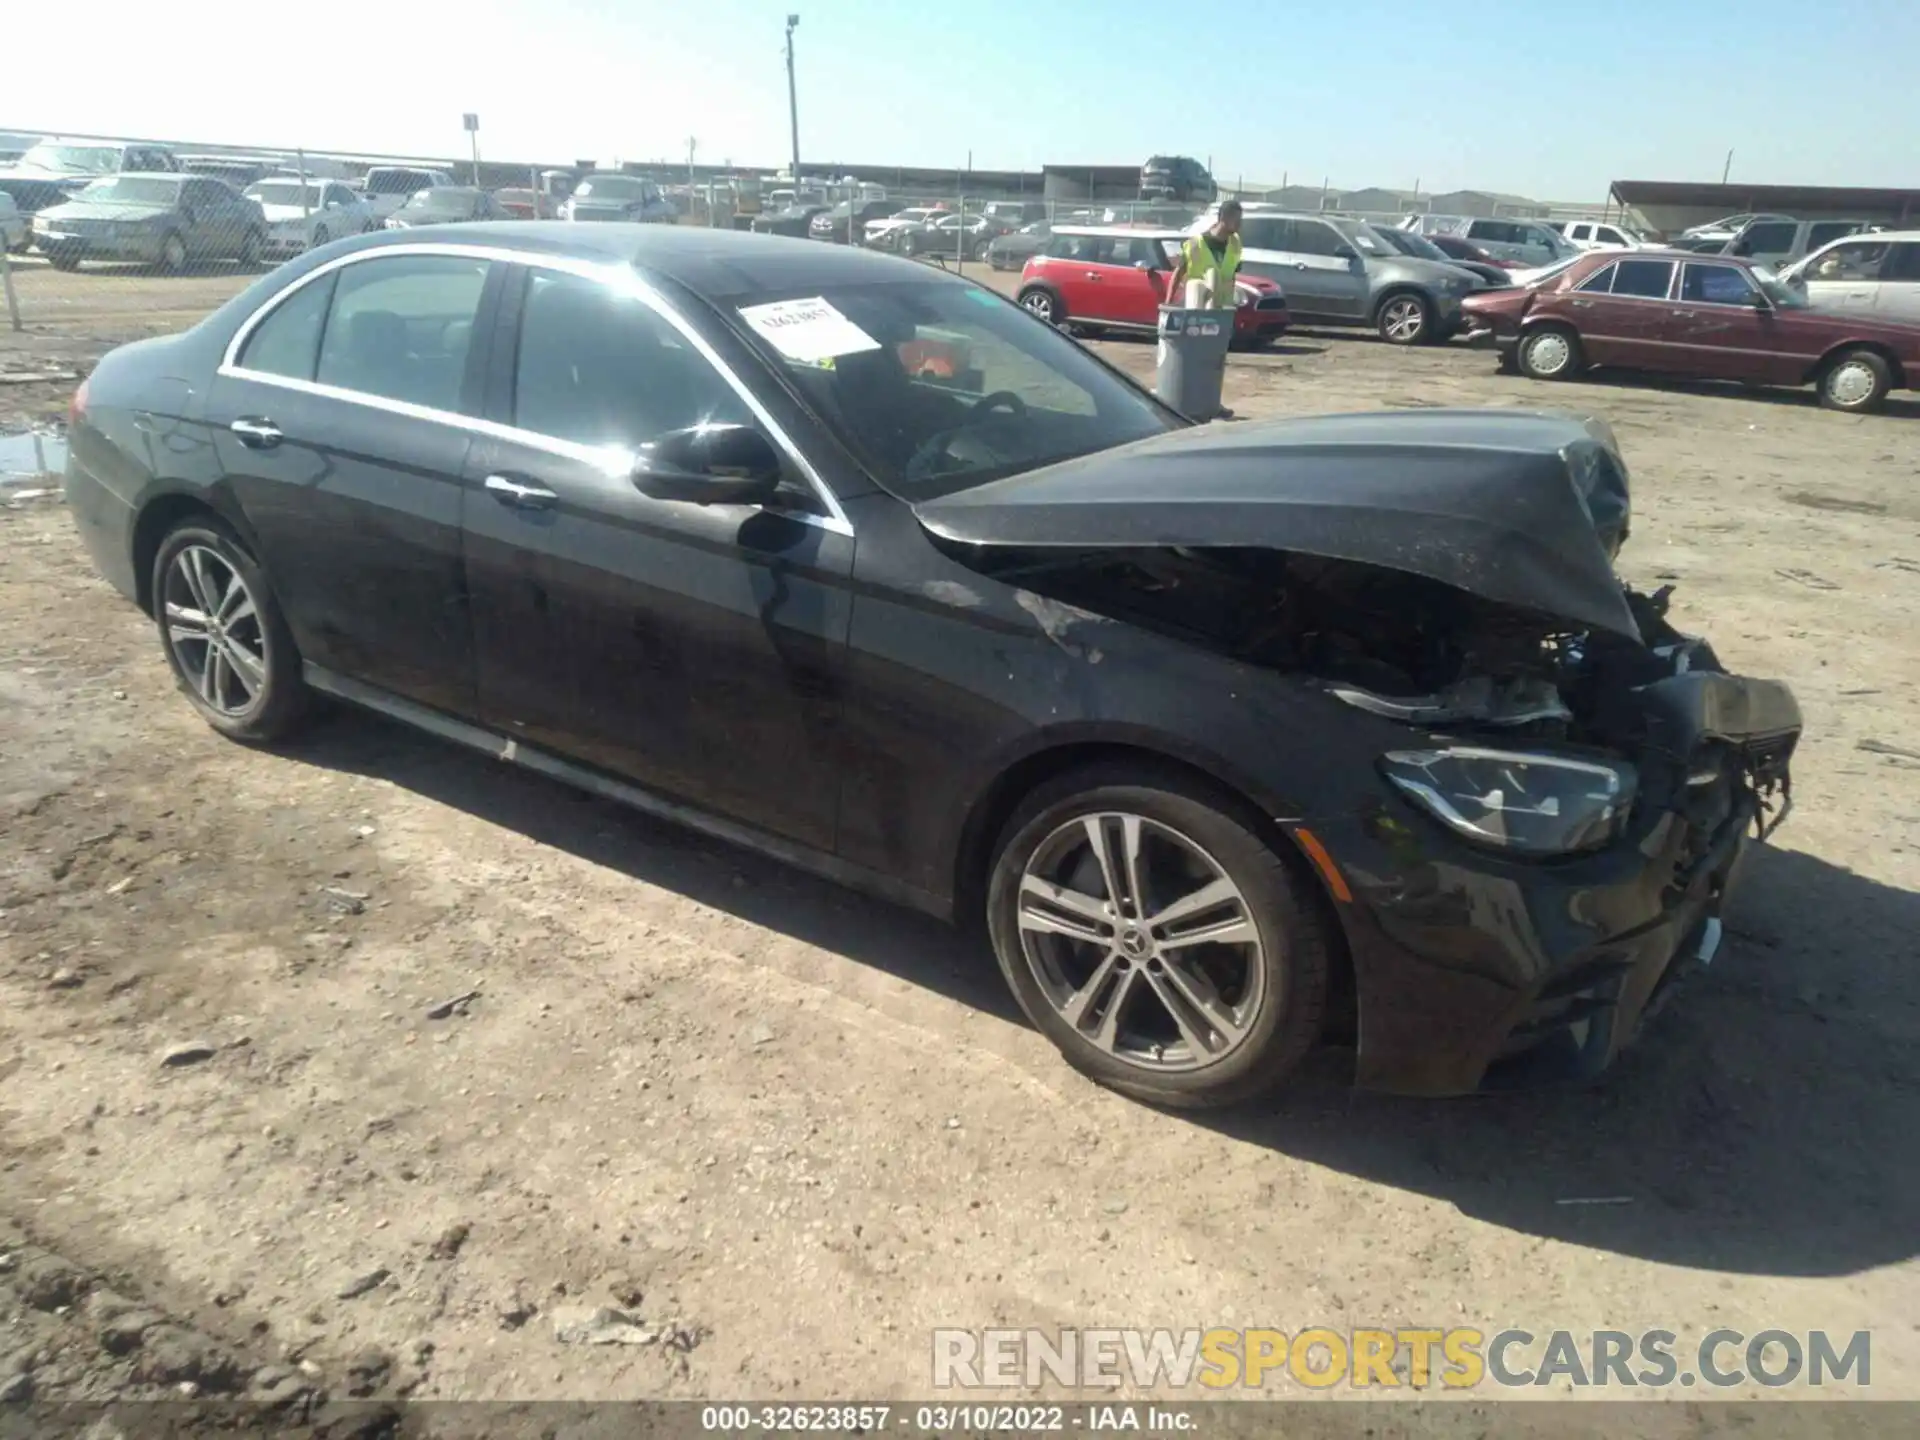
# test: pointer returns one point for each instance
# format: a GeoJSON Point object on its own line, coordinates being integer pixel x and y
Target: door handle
{"type": "Point", "coordinates": [1581, 304]}
{"type": "Point", "coordinates": [1093, 274]}
{"type": "Point", "coordinates": [1299, 264]}
{"type": "Point", "coordinates": [509, 491]}
{"type": "Point", "coordinates": [259, 434]}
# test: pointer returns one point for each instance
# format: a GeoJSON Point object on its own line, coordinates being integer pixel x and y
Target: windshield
{"type": "Point", "coordinates": [85, 159]}
{"type": "Point", "coordinates": [283, 192]}
{"type": "Point", "coordinates": [396, 182]}
{"type": "Point", "coordinates": [441, 199]}
{"type": "Point", "coordinates": [1408, 243]}
{"type": "Point", "coordinates": [1362, 237]}
{"type": "Point", "coordinates": [937, 386]}
{"type": "Point", "coordinates": [1780, 292]}
{"type": "Point", "coordinates": [611, 187]}
{"type": "Point", "coordinates": [142, 190]}
{"type": "Point", "coordinates": [1547, 272]}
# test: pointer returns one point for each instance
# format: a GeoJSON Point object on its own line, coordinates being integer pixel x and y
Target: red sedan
{"type": "Point", "coordinates": [1115, 278]}
{"type": "Point", "coordinates": [1710, 317]}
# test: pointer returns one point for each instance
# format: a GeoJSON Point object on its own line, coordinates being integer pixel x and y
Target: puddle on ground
{"type": "Point", "coordinates": [31, 457]}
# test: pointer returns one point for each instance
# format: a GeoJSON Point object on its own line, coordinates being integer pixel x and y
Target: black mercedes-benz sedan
{"type": "Point", "coordinates": [1229, 736]}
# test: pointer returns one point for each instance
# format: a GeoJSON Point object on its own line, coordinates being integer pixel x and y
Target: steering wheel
{"type": "Point", "coordinates": [934, 455]}
{"type": "Point", "coordinates": [995, 401]}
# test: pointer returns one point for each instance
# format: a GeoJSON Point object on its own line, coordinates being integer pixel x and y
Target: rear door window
{"type": "Point", "coordinates": [1501, 232]}
{"type": "Point", "coordinates": [1769, 237]}
{"type": "Point", "coordinates": [1646, 279]}
{"type": "Point", "coordinates": [400, 327]}
{"type": "Point", "coordinates": [1903, 263]}
{"type": "Point", "coordinates": [1316, 237]}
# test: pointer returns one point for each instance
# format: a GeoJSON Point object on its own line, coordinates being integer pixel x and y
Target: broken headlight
{"type": "Point", "coordinates": [1534, 803]}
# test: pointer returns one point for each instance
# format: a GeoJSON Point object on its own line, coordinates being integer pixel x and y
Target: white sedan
{"type": "Point", "coordinates": [303, 214]}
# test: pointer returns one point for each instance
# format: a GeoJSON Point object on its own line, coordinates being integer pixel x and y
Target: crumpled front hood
{"type": "Point", "coordinates": [1526, 508]}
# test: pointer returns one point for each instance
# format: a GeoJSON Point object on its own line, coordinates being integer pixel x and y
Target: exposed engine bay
{"type": "Point", "coordinates": [1396, 644]}
{"type": "Point", "coordinates": [1416, 650]}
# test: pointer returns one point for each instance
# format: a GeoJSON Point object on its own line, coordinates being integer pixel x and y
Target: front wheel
{"type": "Point", "coordinates": [1856, 381]}
{"type": "Point", "coordinates": [1405, 320]}
{"type": "Point", "coordinates": [249, 252]}
{"type": "Point", "coordinates": [1156, 938]}
{"type": "Point", "coordinates": [224, 635]}
{"type": "Point", "coordinates": [320, 237]}
{"type": "Point", "coordinates": [1551, 352]}
{"type": "Point", "coordinates": [173, 254]}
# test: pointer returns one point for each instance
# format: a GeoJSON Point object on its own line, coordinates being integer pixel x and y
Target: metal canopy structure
{"type": "Point", "coordinates": [1675, 204]}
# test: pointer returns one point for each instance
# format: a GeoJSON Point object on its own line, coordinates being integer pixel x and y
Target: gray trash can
{"type": "Point", "coordinates": [1191, 360]}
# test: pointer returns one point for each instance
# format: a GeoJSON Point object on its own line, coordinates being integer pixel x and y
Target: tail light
{"type": "Point", "coordinates": [77, 407]}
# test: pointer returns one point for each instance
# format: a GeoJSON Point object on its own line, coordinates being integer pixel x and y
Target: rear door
{"type": "Point", "coordinates": [1767, 242]}
{"type": "Point", "coordinates": [696, 649]}
{"type": "Point", "coordinates": [342, 425]}
{"type": "Point", "coordinates": [1623, 314]}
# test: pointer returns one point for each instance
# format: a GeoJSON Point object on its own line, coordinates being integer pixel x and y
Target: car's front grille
{"type": "Point", "coordinates": [1271, 302]}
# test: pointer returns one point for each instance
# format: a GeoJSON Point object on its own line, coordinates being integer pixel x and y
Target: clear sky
{"type": "Point", "coordinates": [1536, 97]}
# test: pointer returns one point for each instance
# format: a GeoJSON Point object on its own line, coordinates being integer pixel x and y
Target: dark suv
{"type": "Point", "coordinates": [1176, 177]}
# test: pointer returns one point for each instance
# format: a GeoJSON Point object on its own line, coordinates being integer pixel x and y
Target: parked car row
{"type": "Point", "coordinates": [1101, 278]}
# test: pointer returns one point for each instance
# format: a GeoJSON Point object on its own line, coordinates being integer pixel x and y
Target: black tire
{"type": "Point", "coordinates": [320, 237]}
{"type": "Point", "coordinates": [173, 253]}
{"type": "Point", "coordinates": [1405, 318]}
{"type": "Point", "coordinates": [1855, 381]}
{"type": "Point", "coordinates": [281, 700]}
{"type": "Point", "coordinates": [1043, 304]}
{"type": "Point", "coordinates": [909, 244]}
{"type": "Point", "coordinates": [1293, 950]}
{"type": "Point", "coordinates": [248, 256]}
{"type": "Point", "coordinates": [1549, 352]}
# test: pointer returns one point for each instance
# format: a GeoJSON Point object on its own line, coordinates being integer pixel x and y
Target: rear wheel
{"type": "Point", "coordinates": [173, 253]}
{"type": "Point", "coordinates": [320, 237]}
{"type": "Point", "coordinates": [1405, 319]}
{"type": "Point", "coordinates": [224, 635]}
{"type": "Point", "coordinates": [1155, 938]}
{"type": "Point", "coordinates": [1856, 381]}
{"type": "Point", "coordinates": [1552, 352]}
{"type": "Point", "coordinates": [249, 252]}
{"type": "Point", "coordinates": [1043, 304]}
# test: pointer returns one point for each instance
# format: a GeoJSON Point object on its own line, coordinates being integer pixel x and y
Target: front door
{"type": "Point", "coordinates": [342, 428]}
{"type": "Point", "coordinates": [1722, 331]}
{"type": "Point", "coordinates": [1846, 276]}
{"type": "Point", "coordinates": [1897, 296]}
{"type": "Point", "coordinates": [694, 649]}
{"type": "Point", "coordinates": [1132, 276]}
{"type": "Point", "coordinates": [1316, 267]}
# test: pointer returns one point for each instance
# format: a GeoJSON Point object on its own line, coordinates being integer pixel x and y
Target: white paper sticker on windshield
{"type": "Point", "coordinates": [808, 330]}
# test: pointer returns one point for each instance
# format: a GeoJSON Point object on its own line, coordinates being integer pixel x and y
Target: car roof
{"type": "Point", "coordinates": [715, 264]}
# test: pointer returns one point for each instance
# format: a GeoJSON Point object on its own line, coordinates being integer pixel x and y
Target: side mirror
{"type": "Point", "coordinates": [1759, 301]}
{"type": "Point", "coordinates": [709, 465]}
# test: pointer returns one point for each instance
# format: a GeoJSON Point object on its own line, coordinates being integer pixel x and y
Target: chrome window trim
{"type": "Point", "coordinates": [611, 273]}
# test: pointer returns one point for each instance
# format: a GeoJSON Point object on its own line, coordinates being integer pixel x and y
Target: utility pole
{"type": "Point", "coordinates": [1726, 169]}
{"type": "Point", "coordinates": [692, 144]}
{"type": "Point", "coordinates": [470, 122]}
{"type": "Point", "coordinates": [793, 100]}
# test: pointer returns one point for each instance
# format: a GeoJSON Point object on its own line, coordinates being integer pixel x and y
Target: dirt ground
{"type": "Point", "coordinates": [794, 1130]}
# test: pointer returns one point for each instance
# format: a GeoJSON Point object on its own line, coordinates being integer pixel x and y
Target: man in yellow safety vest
{"type": "Point", "coordinates": [1203, 275]}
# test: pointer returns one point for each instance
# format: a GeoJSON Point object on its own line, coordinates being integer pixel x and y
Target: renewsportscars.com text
{"type": "Point", "coordinates": [1455, 1358]}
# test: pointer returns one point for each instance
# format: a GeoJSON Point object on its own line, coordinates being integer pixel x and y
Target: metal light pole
{"type": "Point", "coordinates": [793, 100]}
{"type": "Point", "coordinates": [1726, 169]}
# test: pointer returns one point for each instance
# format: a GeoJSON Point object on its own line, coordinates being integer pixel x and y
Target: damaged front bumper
{"type": "Point", "coordinates": [1477, 971]}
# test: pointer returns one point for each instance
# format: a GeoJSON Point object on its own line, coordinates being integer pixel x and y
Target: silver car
{"type": "Point", "coordinates": [1528, 241]}
{"type": "Point", "coordinates": [168, 220]}
{"type": "Point", "coordinates": [1876, 274]}
{"type": "Point", "coordinates": [1337, 271]}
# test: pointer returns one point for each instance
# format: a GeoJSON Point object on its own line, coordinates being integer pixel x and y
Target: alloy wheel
{"type": "Point", "coordinates": [1141, 941]}
{"type": "Point", "coordinates": [213, 628]}
{"type": "Point", "coordinates": [1038, 303]}
{"type": "Point", "coordinates": [173, 253]}
{"type": "Point", "coordinates": [1403, 319]}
